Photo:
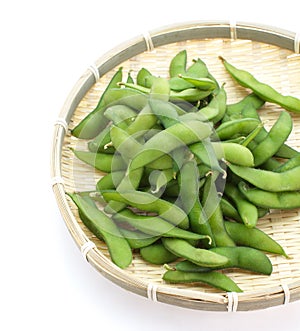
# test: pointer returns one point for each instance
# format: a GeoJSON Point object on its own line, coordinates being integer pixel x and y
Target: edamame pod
{"type": "Point", "coordinates": [199, 256]}
{"type": "Point", "coordinates": [264, 91]}
{"type": "Point", "coordinates": [157, 254]}
{"type": "Point", "coordinates": [110, 180]}
{"type": "Point", "coordinates": [178, 64]}
{"type": "Point", "coordinates": [101, 161]}
{"type": "Point", "coordinates": [250, 99]}
{"type": "Point", "coordinates": [290, 164]}
{"type": "Point", "coordinates": [269, 180]}
{"type": "Point", "coordinates": [245, 258]}
{"type": "Point", "coordinates": [155, 226]}
{"type": "Point", "coordinates": [177, 135]}
{"type": "Point", "coordinates": [213, 278]}
{"type": "Point", "coordinates": [141, 78]}
{"type": "Point", "coordinates": [272, 200]}
{"type": "Point", "coordinates": [247, 211]}
{"type": "Point", "coordinates": [95, 121]}
{"type": "Point", "coordinates": [148, 202]}
{"type": "Point", "coordinates": [103, 227]}
{"type": "Point", "coordinates": [253, 237]}
{"type": "Point", "coordinates": [202, 83]}
{"type": "Point", "coordinates": [137, 239]}
{"type": "Point", "coordinates": [274, 139]}
{"type": "Point", "coordinates": [212, 208]}
{"type": "Point", "coordinates": [239, 127]}
{"type": "Point", "coordinates": [189, 197]}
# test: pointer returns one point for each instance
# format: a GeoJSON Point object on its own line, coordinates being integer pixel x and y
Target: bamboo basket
{"type": "Point", "coordinates": [272, 55]}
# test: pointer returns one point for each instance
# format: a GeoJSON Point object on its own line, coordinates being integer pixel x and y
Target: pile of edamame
{"type": "Point", "coordinates": [185, 175]}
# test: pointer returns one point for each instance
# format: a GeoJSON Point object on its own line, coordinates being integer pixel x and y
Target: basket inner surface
{"type": "Point", "coordinates": [270, 64]}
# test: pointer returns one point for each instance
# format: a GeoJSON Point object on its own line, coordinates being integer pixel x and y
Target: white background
{"type": "Point", "coordinates": [45, 47]}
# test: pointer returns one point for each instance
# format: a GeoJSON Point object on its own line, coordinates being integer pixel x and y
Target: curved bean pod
{"type": "Point", "coordinates": [213, 278]}
{"type": "Point", "coordinates": [148, 202]}
{"type": "Point", "coordinates": [263, 90]}
{"type": "Point", "coordinates": [247, 211]}
{"type": "Point", "coordinates": [157, 254]}
{"type": "Point", "coordinates": [269, 180]}
{"type": "Point", "coordinates": [155, 226]}
{"type": "Point", "coordinates": [239, 127]}
{"type": "Point", "coordinates": [290, 164]}
{"type": "Point", "coordinates": [253, 237]}
{"type": "Point", "coordinates": [245, 258]}
{"type": "Point", "coordinates": [274, 139]}
{"type": "Point", "coordinates": [199, 256]}
{"type": "Point", "coordinates": [104, 228]}
{"type": "Point", "coordinates": [177, 135]}
{"type": "Point", "coordinates": [272, 200]}
{"type": "Point", "coordinates": [95, 121]}
{"type": "Point", "coordinates": [189, 197]}
{"type": "Point", "coordinates": [178, 64]}
{"type": "Point", "coordinates": [101, 161]}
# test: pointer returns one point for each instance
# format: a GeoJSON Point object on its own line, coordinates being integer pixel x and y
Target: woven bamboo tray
{"type": "Point", "coordinates": [272, 55]}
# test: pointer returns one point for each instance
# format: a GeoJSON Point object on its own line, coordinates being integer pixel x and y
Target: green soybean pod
{"type": "Point", "coordinates": [148, 202]}
{"type": "Point", "coordinates": [211, 205]}
{"type": "Point", "coordinates": [110, 180]}
{"type": "Point", "coordinates": [247, 211]}
{"type": "Point", "coordinates": [199, 256]}
{"type": "Point", "coordinates": [126, 96]}
{"type": "Point", "coordinates": [178, 64]}
{"type": "Point", "coordinates": [205, 152]}
{"type": "Point", "coordinates": [253, 237]}
{"type": "Point", "coordinates": [245, 258]}
{"type": "Point", "coordinates": [189, 197]}
{"type": "Point", "coordinates": [229, 211]}
{"type": "Point", "coordinates": [143, 122]}
{"type": "Point", "coordinates": [101, 161]}
{"type": "Point", "coordinates": [128, 147]}
{"type": "Point", "coordinates": [188, 266]}
{"type": "Point", "coordinates": [177, 135]}
{"type": "Point", "coordinates": [197, 69]}
{"type": "Point", "coordinates": [178, 84]}
{"type": "Point", "coordinates": [271, 200]}
{"type": "Point", "coordinates": [269, 180]}
{"type": "Point", "coordinates": [157, 254]}
{"type": "Point", "coordinates": [264, 91]}
{"type": "Point", "coordinates": [220, 103]}
{"type": "Point", "coordinates": [166, 112]}
{"type": "Point", "coordinates": [284, 151]}
{"type": "Point", "coordinates": [124, 143]}
{"type": "Point", "coordinates": [141, 78]}
{"type": "Point", "coordinates": [155, 226]}
{"type": "Point", "coordinates": [137, 239]}
{"type": "Point", "coordinates": [202, 83]}
{"type": "Point", "coordinates": [212, 278]}
{"type": "Point", "coordinates": [104, 228]}
{"type": "Point", "coordinates": [95, 121]}
{"type": "Point", "coordinates": [274, 139]}
{"type": "Point", "coordinates": [189, 95]}
{"type": "Point", "coordinates": [120, 114]}
{"type": "Point", "coordinates": [249, 100]}
{"type": "Point", "coordinates": [271, 164]}
{"type": "Point", "coordinates": [234, 128]}
{"type": "Point", "coordinates": [158, 179]}
{"type": "Point", "coordinates": [290, 164]}
{"type": "Point", "coordinates": [130, 181]}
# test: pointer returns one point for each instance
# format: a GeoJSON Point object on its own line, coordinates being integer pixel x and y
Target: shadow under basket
{"type": "Point", "coordinates": [268, 53]}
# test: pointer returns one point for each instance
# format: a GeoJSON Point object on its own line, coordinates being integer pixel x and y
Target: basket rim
{"type": "Point", "coordinates": [139, 44]}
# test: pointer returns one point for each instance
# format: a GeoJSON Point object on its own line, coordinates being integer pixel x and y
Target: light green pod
{"type": "Point", "coordinates": [212, 278]}
{"type": "Point", "coordinates": [199, 256]}
{"type": "Point", "coordinates": [148, 202]}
